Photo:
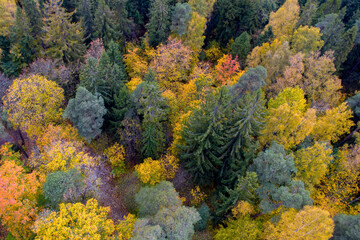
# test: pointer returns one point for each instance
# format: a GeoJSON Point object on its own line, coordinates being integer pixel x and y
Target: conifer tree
{"type": "Point", "coordinates": [159, 23]}
{"type": "Point", "coordinates": [104, 24]}
{"type": "Point", "coordinates": [86, 111]}
{"type": "Point", "coordinates": [180, 18]}
{"type": "Point", "coordinates": [239, 137]}
{"type": "Point", "coordinates": [202, 140]}
{"type": "Point", "coordinates": [63, 39]}
{"type": "Point", "coordinates": [241, 48]}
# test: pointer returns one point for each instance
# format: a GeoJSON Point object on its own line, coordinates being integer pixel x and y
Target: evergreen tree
{"type": "Point", "coordinates": [244, 190]}
{"type": "Point", "coordinates": [336, 37]}
{"type": "Point", "coordinates": [159, 23]}
{"type": "Point", "coordinates": [86, 11]}
{"type": "Point", "coordinates": [122, 104]}
{"type": "Point", "coordinates": [202, 140]}
{"type": "Point", "coordinates": [241, 48]}
{"type": "Point", "coordinates": [34, 15]}
{"type": "Point", "coordinates": [346, 227]}
{"type": "Point", "coordinates": [275, 170]}
{"type": "Point", "coordinates": [242, 128]}
{"type": "Point", "coordinates": [104, 24]}
{"type": "Point", "coordinates": [180, 18]}
{"type": "Point", "coordinates": [86, 112]}
{"type": "Point", "coordinates": [63, 39]}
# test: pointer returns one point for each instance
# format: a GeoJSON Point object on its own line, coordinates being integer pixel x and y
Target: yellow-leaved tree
{"type": "Point", "coordinates": [76, 221]}
{"type": "Point", "coordinates": [333, 123]}
{"type": "Point", "coordinates": [7, 16]}
{"type": "Point", "coordinates": [154, 171]}
{"type": "Point", "coordinates": [288, 121]}
{"type": "Point", "coordinates": [339, 188]}
{"type": "Point", "coordinates": [32, 103]}
{"type": "Point", "coordinates": [116, 156]}
{"type": "Point", "coordinates": [312, 163]}
{"type": "Point", "coordinates": [311, 223]}
{"type": "Point", "coordinates": [307, 39]}
{"type": "Point", "coordinates": [284, 20]}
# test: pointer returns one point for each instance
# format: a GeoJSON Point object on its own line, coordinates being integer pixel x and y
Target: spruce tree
{"type": "Point", "coordinates": [180, 18]}
{"type": "Point", "coordinates": [242, 128]}
{"type": "Point", "coordinates": [104, 24]}
{"type": "Point", "coordinates": [241, 48]}
{"type": "Point", "coordinates": [159, 23]}
{"type": "Point", "coordinates": [202, 138]}
{"type": "Point", "coordinates": [63, 39]}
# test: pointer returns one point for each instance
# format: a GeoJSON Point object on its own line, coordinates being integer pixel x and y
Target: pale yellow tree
{"type": "Point", "coordinates": [307, 39]}
{"type": "Point", "coordinates": [284, 20]}
{"type": "Point", "coordinates": [7, 16]}
{"type": "Point", "coordinates": [311, 223]}
{"type": "Point", "coordinates": [288, 121]}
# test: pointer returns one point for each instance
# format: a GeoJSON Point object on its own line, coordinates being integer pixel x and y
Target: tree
{"type": "Point", "coordinates": [180, 18]}
{"type": "Point", "coordinates": [63, 39]}
{"type": "Point", "coordinates": [172, 64]}
{"type": "Point", "coordinates": [308, 13]}
{"type": "Point", "coordinates": [241, 48]}
{"type": "Point", "coordinates": [272, 56]}
{"type": "Point", "coordinates": [306, 40]}
{"type": "Point", "coordinates": [35, 17]}
{"type": "Point", "coordinates": [18, 193]}
{"type": "Point", "coordinates": [159, 22]}
{"type": "Point", "coordinates": [86, 111]}
{"type": "Point", "coordinates": [32, 103]}
{"type": "Point", "coordinates": [346, 227]}
{"type": "Point", "coordinates": [194, 36]}
{"type": "Point", "coordinates": [333, 123]}
{"type": "Point", "coordinates": [7, 16]}
{"type": "Point", "coordinates": [312, 163]}
{"type": "Point", "coordinates": [275, 171]}
{"type": "Point", "coordinates": [116, 156]}
{"type": "Point", "coordinates": [202, 7]}
{"type": "Point", "coordinates": [202, 140]}
{"type": "Point", "coordinates": [336, 37]}
{"type": "Point", "coordinates": [284, 20]}
{"type": "Point", "coordinates": [59, 184]}
{"type": "Point", "coordinates": [151, 199]}
{"type": "Point", "coordinates": [104, 23]}
{"type": "Point", "coordinates": [76, 221]}
{"type": "Point", "coordinates": [288, 121]}
{"type": "Point", "coordinates": [309, 223]}
{"type": "Point", "coordinates": [244, 190]}
{"type": "Point", "coordinates": [239, 136]}
{"type": "Point", "coordinates": [242, 228]}
{"type": "Point", "coordinates": [227, 70]}
{"type": "Point", "coordinates": [338, 190]}
{"type": "Point", "coordinates": [155, 171]}
{"type": "Point", "coordinates": [86, 9]}
{"type": "Point", "coordinates": [177, 222]}
{"type": "Point", "coordinates": [315, 74]}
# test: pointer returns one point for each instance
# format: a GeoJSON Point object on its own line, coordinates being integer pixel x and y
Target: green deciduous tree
{"type": "Point", "coordinates": [86, 111]}
{"type": "Point", "coordinates": [151, 199]}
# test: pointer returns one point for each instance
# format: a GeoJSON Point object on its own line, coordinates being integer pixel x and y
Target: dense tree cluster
{"type": "Point", "coordinates": [179, 119]}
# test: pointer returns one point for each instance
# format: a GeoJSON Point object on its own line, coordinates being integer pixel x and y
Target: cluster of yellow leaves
{"type": "Point", "coordinates": [288, 122]}
{"type": "Point", "coordinates": [18, 193]}
{"type": "Point", "coordinates": [284, 20]}
{"type": "Point", "coordinates": [125, 227]}
{"type": "Point", "coordinates": [133, 83]}
{"type": "Point", "coordinates": [116, 157]}
{"type": "Point", "coordinates": [197, 196]}
{"type": "Point", "coordinates": [7, 16]}
{"type": "Point", "coordinates": [307, 39]}
{"type": "Point", "coordinates": [312, 163]}
{"type": "Point", "coordinates": [154, 171]}
{"type": "Point", "coordinates": [214, 53]}
{"type": "Point", "coordinates": [32, 103]}
{"type": "Point", "coordinates": [340, 186]}
{"type": "Point", "coordinates": [76, 221]}
{"type": "Point", "coordinates": [60, 148]}
{"type": "Point", "coordinates": [135, 65]}
{"type": "Point", "coordinates": [311, 223]}
{"type": "Point", "coordinates": [172, 64]}
{"type": "Point", "coordinates": [334, 123]}
{"type": "Point", "coordinates": [242, 209]}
